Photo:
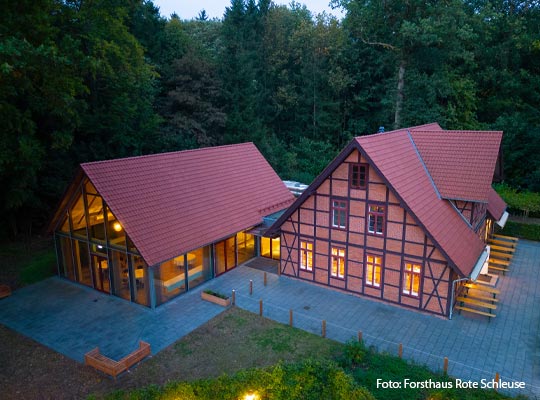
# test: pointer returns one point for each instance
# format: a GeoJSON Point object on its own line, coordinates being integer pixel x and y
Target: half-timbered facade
{"type": "Point", "coordinates": [388, 219]}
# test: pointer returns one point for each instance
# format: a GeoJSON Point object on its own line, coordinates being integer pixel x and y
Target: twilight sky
{"type": "Point", "coordinates": [188, 9]}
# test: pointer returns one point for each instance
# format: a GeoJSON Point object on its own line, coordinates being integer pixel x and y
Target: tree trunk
{"type": "Point", "coordinates": [399, 95]}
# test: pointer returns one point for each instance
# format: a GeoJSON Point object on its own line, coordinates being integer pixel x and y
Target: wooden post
{"type": "Point", "coordinates": [233, 297]}
{"type": "Point", "coordinates": [400, 350]}
{"type": "Point", "coordinates": [324, 328]}
{"type": "Point", "coordinates": [250, 287]}
{"type": "Point", "coordinates": [497, 377]}
{"type": "Point", "coordinates": [445, 366]}
{"type": "Point", "coordinates": [290, 318]}
{"type": "Point", "coordinates": [265, 279]}
{"type": "Point", "coordinates": [360, 336]}
{"type": "Point", "coordinates": [260, 307]}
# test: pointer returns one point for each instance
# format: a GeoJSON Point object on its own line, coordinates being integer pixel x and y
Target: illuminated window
{"type": "Point", "coordinates": [306, 256]}
{"type": "Point", "coordinates": [411, 279]}
{"type": "Point", "coordinates": [376, 219]}
{"type": "Point", "coordinates": [339, 214]}
{"type": "Point", "coordinates": [373, 271]}
{"type": "Point", "coordinates": [359, 176]}
{"type": "Point", "coordinates": [338, 263]}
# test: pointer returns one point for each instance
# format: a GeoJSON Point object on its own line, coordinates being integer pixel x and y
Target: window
{"type": "Point", "coordinates": [338, 263]}
{"type": "Point", "coordinates": [373, 271]}
{"type": "Point", "coordinates": [411, 279]}
{"type": "Point", "coordinates": [359, 176]}
{"type": "Point", "coordinates": [376, 220]}
{"type": "Point", "coordinates": [339, 214]}
{"type": "Point", "coordinates": [306, 256]}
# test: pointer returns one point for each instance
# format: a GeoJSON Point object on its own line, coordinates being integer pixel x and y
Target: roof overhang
{"type": "Point", "coordinates": [480, 263]}
{"type": "Point", "coordinates": [503, 219]}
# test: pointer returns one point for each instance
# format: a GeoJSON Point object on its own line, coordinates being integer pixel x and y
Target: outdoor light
{"type": "Point", "coordinates": [251, 396]}
{"type": "Point", "coordinates": [117, 227]}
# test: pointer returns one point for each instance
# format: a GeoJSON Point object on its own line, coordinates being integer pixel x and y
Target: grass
{"type": "Point", "coordinates": [23, 264]}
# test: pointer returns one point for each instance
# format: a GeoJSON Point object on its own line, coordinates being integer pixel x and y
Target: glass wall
{"type": "Point", "coordinates": [92, 250]}
{"type": "Point", "coordinates": [246, 247]}
{"type": "Point", "coordinates": [139, 281]}
{"type": "Point", "coordinates": [199, 264]}
{"type": "Point", "coordinates": [225, 255]}
{"type": "Point", "coordinates": [65, 257]}
{"type": "Point", "coordinates": [170, 279]}
{"type": "Point", "coordinates": [82, 263]}
{"type": "Point", "coordinates": [270, 248]}
{"type": "Point", "coordinates": [119, 274]}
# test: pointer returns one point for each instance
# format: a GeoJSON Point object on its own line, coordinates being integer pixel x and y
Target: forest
{"type": "Point", "coordinates": [86, 80]}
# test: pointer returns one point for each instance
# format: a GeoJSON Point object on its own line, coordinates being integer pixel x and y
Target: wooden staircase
{"type": "Point", "coordinates": [502, 251]}
{"type": "Point", "coordinates": [478, 299]}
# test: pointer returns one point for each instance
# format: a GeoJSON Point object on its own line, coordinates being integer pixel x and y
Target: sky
{"type": "Point", "coordinates": [188, 9]}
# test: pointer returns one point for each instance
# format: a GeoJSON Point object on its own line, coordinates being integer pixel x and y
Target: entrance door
{"type": "Point", "coordinates": [225, 255]}
{"type": "Point", "coordinates": [101, 273]}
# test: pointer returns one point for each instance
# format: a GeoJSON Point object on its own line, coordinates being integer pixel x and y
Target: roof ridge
{"type": "Point", "coordinates": [166, 153]}
{"type": "Point", "coordinates": [424, 165]}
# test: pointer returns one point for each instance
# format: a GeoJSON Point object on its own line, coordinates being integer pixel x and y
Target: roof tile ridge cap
{"type": "Point", "coordinates": [423, 164]}
{"type": "Point", "coordinates": [166, 153]}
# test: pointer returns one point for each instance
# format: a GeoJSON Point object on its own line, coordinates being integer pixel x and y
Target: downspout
{"type": "Point", "coordinates": [452, 295]}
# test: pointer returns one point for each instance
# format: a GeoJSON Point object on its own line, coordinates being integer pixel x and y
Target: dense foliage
{"type": "Point", "coordinates": [90, 80]}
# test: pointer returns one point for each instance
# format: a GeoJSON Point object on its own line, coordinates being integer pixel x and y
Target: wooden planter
{"type": "Point", "coordinates": [216, 300]}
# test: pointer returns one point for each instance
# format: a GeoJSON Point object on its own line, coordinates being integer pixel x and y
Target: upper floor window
{"type": "Point", "coordinates": [358, 176]}
{"type": "Point", "coordinates": [306, 256]}
{"type": "Point", "coordinates": [376, 216]}
{"type": "Point", "coordinates": [411, 279]}
{"type": "Point", "coordinates": [338, 263]}
{"type": "Point", "coordinates": [373, 270]}
{"type": "Point", "coordinates": [339, 214]}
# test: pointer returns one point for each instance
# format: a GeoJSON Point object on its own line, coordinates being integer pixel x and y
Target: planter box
{"type": "Point", "coordinates": [216, 300]}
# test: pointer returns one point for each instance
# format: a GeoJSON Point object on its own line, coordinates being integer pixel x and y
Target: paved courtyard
{"type": "Point", "coordinates": [73, 319]}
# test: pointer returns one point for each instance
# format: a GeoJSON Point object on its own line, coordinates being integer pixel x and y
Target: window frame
{"type": "Point", "coordinates": [339, 265]}
{"type": "Point", "coordinates": [357, 184]}
{"type": "Point", "coordinates": [375, 266]}
{"type": "Point", "coordinates": [308, 253]}
{"type": "Point", "coordinates": [344, 210]}
{"type": "Point", "coordinates": [376, 215]}
{"type": "Point", "coordinates": [409, 275]}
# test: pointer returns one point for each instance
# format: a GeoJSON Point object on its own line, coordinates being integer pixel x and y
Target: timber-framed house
{"type": "Point", "coordinates": [399, 216]}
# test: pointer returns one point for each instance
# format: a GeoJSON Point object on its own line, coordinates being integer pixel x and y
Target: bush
{"type": "Point", "coordinates": [521, 230]}
{"type": "Point", "coordinates": [353, 354]}
{"type": "Point", "coordinates": [527, 203]}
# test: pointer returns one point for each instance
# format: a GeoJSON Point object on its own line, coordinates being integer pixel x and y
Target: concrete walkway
{"type": "Point", "coordinates": [72, 320]}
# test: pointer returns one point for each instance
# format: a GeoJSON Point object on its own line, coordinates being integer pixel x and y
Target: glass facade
{"type": "Point", "coordinates": [94, 250]}
{"type": "Point", "coordinates": [270, 248]}
{"type": "Point", "coordinates": [246, 247]}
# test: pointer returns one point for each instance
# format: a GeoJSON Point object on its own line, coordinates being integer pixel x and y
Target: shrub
{"type": "Point", "coordinates": [521, 230]}
{"type": "Point", "coordinates": [354, 354]}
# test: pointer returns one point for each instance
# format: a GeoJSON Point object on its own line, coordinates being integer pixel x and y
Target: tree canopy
{"type": "Point", "coordinates": [91, 80]}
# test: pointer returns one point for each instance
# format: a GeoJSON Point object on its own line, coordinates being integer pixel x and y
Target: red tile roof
{"type": "Point", "coordinates": [461, 163]}
{"type": "Point", "coordinates": [176, 202]}
{"type": "Point", "coordinates": [394, 155]}
{"type": "Point", "coordinates": [496, 205]}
